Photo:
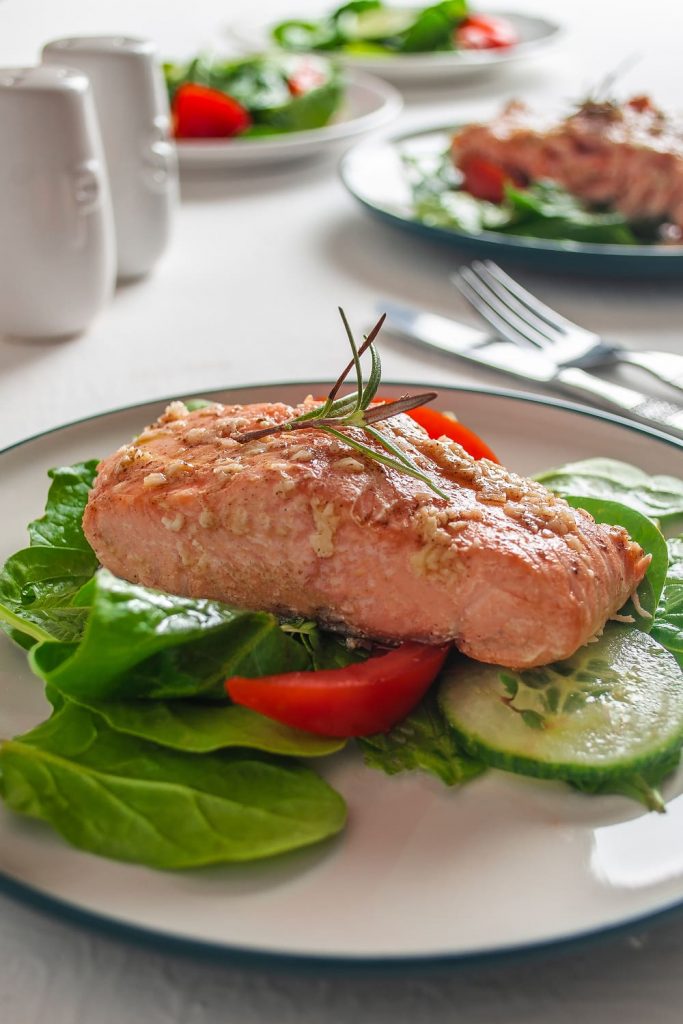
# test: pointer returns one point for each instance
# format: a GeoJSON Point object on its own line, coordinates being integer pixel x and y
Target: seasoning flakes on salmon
{"type": "Point", "coordinates": [628, 157]}
{"type": "Point", "coordinates": [299, 524]}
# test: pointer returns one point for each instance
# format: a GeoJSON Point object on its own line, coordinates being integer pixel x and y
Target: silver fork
{"type": "Point", "coordinates": [520, 317]}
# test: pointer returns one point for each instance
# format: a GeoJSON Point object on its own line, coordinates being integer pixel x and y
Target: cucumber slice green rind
{"type": "Point", "coordinates": [614, 708]}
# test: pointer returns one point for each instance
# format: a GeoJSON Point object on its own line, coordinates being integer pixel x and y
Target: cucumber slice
{"type": "Point", "coordinates": [375, 23]}
{"type": "Point", "coordinates": [613, 708]}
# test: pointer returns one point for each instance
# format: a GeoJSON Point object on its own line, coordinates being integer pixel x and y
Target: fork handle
{"type": "Point", "coordinates": [665, 416]}
{"type": "Point", "coordinates": [666, 366]}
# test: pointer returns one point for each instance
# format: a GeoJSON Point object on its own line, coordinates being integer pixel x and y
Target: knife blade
{"type": "Point", "coordinates": [446, 335]}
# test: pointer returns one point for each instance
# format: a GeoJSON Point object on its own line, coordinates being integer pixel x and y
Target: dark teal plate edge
{"type": "Point", "coordinates": [275, 959]}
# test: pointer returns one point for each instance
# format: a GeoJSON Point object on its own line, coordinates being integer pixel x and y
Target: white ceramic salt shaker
{"type": "Point", "coordinates": [57, 259]}
{"type": "Point", "coordinates": [132, 107]}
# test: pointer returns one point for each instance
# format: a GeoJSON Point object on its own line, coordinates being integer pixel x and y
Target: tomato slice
{"type": "Point", "coordinates": [485, 32]}
{"type": "Point", "coordinates": [201, 113]}
{"type": "Point", "coordinates": [438, 424]}
{"type": "Point", "coordinates": [361, 699]}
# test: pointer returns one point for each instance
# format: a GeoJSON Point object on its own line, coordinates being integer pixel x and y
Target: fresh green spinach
{"type": "Point", "coordinates": [668, 624]}
{"type": "Point", "coordinates": [198, 728]}
{"type": "Point", "coordinates": [120, 797]}
{"type": "Point", "coordinates": [658, 497]}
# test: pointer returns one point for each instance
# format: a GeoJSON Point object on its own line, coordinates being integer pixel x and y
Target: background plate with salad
{"type": "Point", "coordinates": [406, 42]}
{"type": "Point", "coordinates": [425, 871]}
{"type": "Point", "coordinates": [233, 111]}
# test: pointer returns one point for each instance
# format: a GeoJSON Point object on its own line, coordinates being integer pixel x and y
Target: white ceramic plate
{"type": "Point", "coordinates": [422, 872]}
{"type": "Point", "coordinates": [375, 173]}
{"type": "Point", "coordinates": [369, 104]}
{"type": "Point", "coordinates": [536, 35]}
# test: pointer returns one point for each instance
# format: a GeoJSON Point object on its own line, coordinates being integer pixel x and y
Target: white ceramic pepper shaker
{"type": "Point", "coordinates": [57, 260]}
{"type": "Point", "coordinates": [132, 107]}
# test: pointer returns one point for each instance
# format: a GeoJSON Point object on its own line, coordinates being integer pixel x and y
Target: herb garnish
{"type": "Point", "coordinates": [354, 410]}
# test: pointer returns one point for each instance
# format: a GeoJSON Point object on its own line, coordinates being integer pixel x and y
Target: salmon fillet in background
{"type": "Point", "coordinates": [626, 156]}
{"type": "Point", "coordinates": [298, 523]}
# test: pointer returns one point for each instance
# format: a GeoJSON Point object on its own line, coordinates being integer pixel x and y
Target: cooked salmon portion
{"type": "Point", "coordinates": [628, 156]}
{"type": "Point", "coordinates": [297, 523]}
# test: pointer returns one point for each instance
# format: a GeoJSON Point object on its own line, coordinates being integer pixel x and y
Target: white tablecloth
{"type": "Point", "coordinates": [247, 293]}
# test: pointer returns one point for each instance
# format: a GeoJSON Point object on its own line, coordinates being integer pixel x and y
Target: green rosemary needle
{"type": "Point", "coordinates": [335, 415]}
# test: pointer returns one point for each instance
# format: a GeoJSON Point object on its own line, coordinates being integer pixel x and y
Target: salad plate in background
{"type": "Point", "coordinates": [426, 872]}
{"type": "Point", "coordinates": [403, 179]}
{"type": "Point", "coordinates": [406, 43]}
{"type": "Point", "coordinates": [229, 112]}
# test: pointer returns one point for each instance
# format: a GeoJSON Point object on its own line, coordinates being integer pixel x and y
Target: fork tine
{"type": "Point", "coordinates": [550, 316]}
{"type": "Point", "coordinates": [545, 330]}
{"type": "Point", "coordinates": [502, 327]}
{"type": "Point", "coordinates": [508, 324]}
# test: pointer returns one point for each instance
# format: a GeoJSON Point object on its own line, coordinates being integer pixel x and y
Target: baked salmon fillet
{"type": "Point", "coordinates": [299, 524]}
{"type": "Point", "coordinates": [628, 156]}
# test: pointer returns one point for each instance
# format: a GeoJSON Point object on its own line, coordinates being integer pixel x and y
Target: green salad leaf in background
{"type": "Point", "coordinates": [373, 28]}
{"type": "Point", "coordinates": [263, 86]}
{"type": "Point", "coordinates": [542, 210]}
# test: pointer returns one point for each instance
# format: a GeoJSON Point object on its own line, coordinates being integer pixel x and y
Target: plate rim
{"type": "Point", "coordinates": [520, 243]}
{"type": "Point", "coordinates": [149, 937]}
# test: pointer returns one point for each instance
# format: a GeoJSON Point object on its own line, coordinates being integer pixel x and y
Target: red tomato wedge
{"type": "Point", "coordinates": [361, 699]}
{"type": "Point", "coordinates": [201, 113]}
{"type": "Point", "coordinates": [438, 424]}
{"type": "Point", "coordinates": [483, 179]}
{"type": "Point", "coordinates": [485, 32]}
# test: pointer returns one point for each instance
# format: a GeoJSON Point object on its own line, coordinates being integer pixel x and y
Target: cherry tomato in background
{"type": "Point", "coordinates": [361, 699]}
{"type": "Point", "coordinates": [201, 113]}
{"type": "Point", "coordinates": [483, 179]}
{"type": "Point", "coordinates": [485, 32]}
{"type": "Point", "coordinates": [305, 77]}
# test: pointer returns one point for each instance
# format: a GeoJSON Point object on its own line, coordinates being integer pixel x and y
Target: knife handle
{"type": "Point", "coordinates": [665, 416]}
{"type": "Point", "coordinates": [665, 366]}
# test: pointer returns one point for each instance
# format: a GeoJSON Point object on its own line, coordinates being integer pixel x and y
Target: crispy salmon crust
{"type": "Point", "coordinates": [627, 156]}
{"type": "Point", "coordinates": [299, 524]}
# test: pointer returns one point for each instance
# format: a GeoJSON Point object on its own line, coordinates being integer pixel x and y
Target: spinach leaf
{"type": "Point", "coordinates": [642, 530]}
{"type": "Point", "coordinates": [356, 7]}
{"type": "Point", "coordinates": [142, 643]}
{"type": "Point", "coordinates": [301, 36]}
{"type": "Point", "coordinates": [38, 583]}
{"type": "Point", "coordinates": [120, 797]}
{"type": "Point", "coordinates": [311, 110]}
{"type": "Point", "coordinates": [545, 210]}
{"type": "Point", "coordinates": [668, 625]}
{"type": "Point", "coordinates": [60, 526]}
{"type": "Point", "coordinates": [433, 27]}
{"type": "Point", "coordinates": [37, 586]}
{"type": "Point", "coordinates": [202, 728]}
{"type": "Point", "coordinates": [422, 741]}
{"type": "Point", "coordinates": [659, 497]}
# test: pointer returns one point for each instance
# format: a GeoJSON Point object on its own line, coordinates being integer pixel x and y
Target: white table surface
{"type": "Point", "coordinates": [248, 293]}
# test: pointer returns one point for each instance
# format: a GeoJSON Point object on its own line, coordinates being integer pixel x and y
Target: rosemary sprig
{"type": "Point", "coordinates": [356, 410]}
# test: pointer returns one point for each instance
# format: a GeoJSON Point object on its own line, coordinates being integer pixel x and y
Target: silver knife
{"type": "Point", "coordinates": [446, 335]}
